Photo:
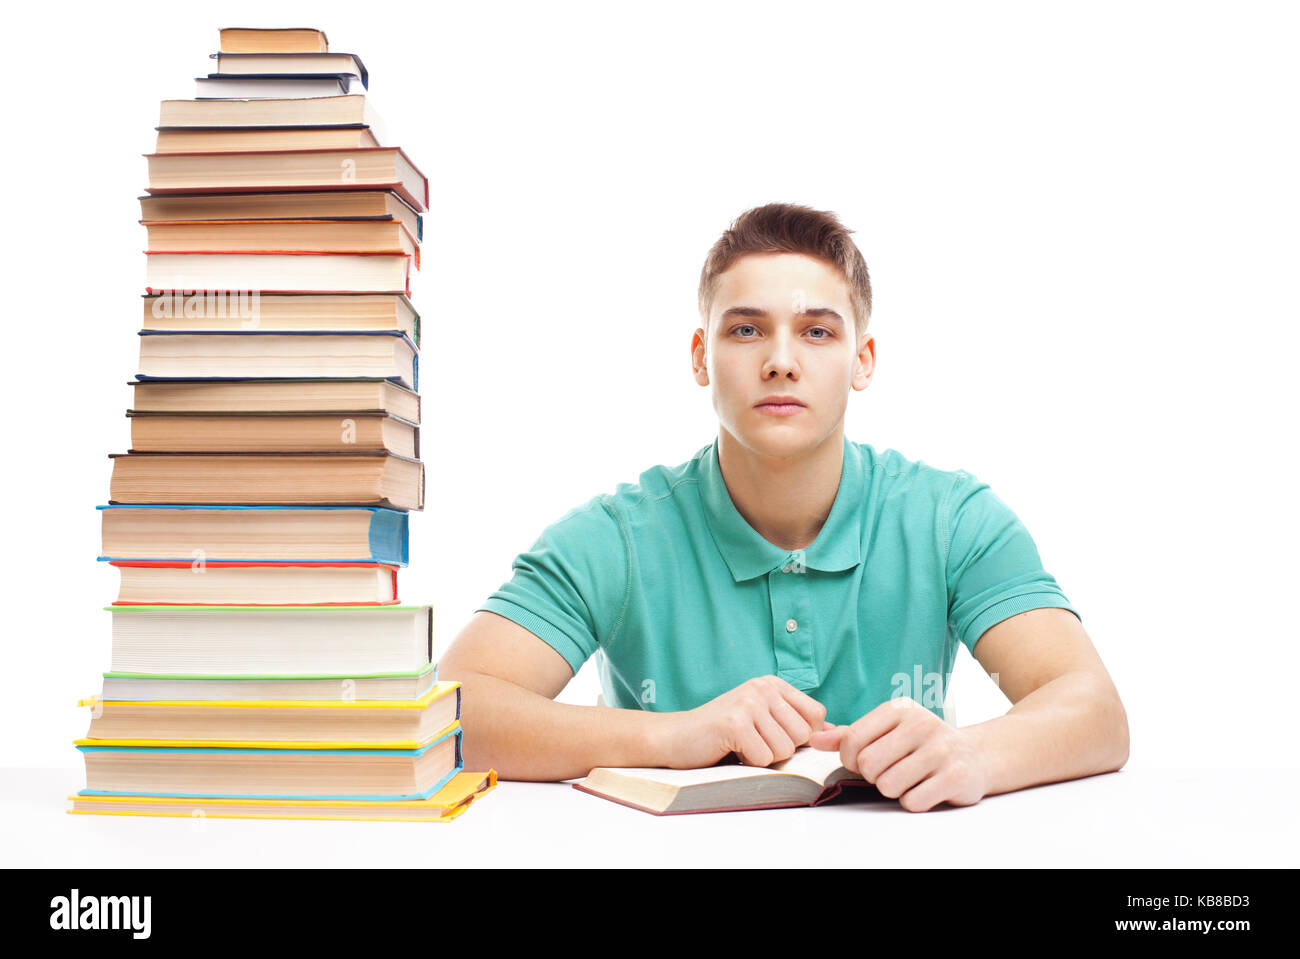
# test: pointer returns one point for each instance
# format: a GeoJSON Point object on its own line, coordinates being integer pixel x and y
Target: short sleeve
{"type": "Point", "coordinates": [993, 570]}
{"type": "Point", "coordinates": [569, 588]}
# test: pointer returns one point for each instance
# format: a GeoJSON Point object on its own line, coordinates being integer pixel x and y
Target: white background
{"type": "Point", "coordinates": [1081, 226]}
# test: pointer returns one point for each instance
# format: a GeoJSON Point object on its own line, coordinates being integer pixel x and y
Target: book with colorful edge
{"type": "Point", "coordinates": [339, 722]}
{"type": "Point", "coordinates": [445, 805]}
{"type": "Point", "coordinates": [223, 583]}
{"type": "Point", "coordinates": [269, 770]}
{"type": "Point", "coordinates": [188, 687]}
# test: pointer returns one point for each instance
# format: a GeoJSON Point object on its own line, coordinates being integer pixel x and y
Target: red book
{"type": "Point", "coordinates": [225, 583]}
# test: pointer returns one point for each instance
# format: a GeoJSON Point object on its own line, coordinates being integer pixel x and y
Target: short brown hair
{"type": "Point", "coordinates": [790, 228]}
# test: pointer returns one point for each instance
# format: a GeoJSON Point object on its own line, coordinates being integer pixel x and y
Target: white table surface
{"type": "Point", "coordinates": [1133, 818]}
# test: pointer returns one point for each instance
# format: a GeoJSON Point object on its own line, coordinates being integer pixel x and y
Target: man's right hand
{"type": "Point", "coordinates": [763, 720]}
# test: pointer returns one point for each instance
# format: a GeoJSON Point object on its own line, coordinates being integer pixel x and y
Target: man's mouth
{"type": "Point", "coordinates": [782, 405]}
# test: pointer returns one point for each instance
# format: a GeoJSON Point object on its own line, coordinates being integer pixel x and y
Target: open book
{"type": "Point", "coordinates": [808, 778]}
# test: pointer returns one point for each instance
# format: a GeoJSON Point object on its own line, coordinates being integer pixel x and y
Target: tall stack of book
{"type": "Point", "coordinates": [262, 664]}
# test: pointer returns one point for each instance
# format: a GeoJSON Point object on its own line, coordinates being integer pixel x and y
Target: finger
{"type": "Point", "coordinates": [828, 739]}
{"type": "Point", "coordinates": [924, 796]}
{"type": "Point", "coordinates": [795, 726]}
{"type": "Point", "coordinates": [912, 770]}
{"type": "Point", "coordinates": [752, 748]}
{"type": "Point", "coordinates": [777, 739]}
{"type": "Point", "coordinates": [876, 757]}
{"type": "Point", "coordinates": [813, 712]}
{"type": "Point", "coordinates": [868, 729]}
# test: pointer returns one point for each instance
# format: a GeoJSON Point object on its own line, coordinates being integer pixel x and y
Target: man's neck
{"type": "Point", "coordinates": [785, 499]}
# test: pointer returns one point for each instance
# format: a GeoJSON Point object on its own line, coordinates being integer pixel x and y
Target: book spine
{"type": "Point", "coordinates": [390, 537]}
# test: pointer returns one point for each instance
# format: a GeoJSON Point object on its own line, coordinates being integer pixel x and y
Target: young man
{"type": "Point", "coordinates": [786, 586]}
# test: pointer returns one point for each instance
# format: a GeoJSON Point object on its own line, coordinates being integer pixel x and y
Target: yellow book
{"type": "Point", "coordinates": [446, 804]}
{"type": "Point", "coordinates": [247, 769]}
{"type": "Point", "coordinates": [328, 723]}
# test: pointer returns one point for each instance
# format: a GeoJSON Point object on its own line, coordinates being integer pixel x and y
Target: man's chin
{"type": "Point", "coordinates": [781, 437]}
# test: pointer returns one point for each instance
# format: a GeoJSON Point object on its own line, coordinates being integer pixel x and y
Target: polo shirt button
{"type": "Point", "coordinates": [791, 625]}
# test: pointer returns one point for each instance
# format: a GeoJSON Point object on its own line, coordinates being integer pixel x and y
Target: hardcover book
{"type": "Point", "coordinates": [288, 355]}
{"type": "Point", "coordinates": [268, 479]}
{"type": "Point", "coordinates": [443, 806]}
{"type": "Point", "coordinates": [271, 771]}
{"type": "Point", "coordinates": [299, 236]}
{"type": "Point", "coordinates": [270, 640]}
{"type": "Point", "coordinates": [326, 205]}
{"type": "Point", "coordinates": [273, 40]}
{"type": "Point", "coordinates": [263, 62]}
{"type": "Point", "coordinates": [202, 432]}
{"type": "Point", "coordinates": [808, 778]}
{"type": "Point", "coordinates": [279, 171]}
{"type": "Point", "coordinates": [278, 271]}
{"type": "Point", "coordinates": [286, 534]}
{"type": "Point", "coordinates": [354, 109]}
{"type": "Point", "coordinates": [257, 394]}
{"type": "Point", "coordinates": [411, 684]}
{"type": "Point", "coordinates": [341, 722]}
{"type": "Point", "coordinates": [276, 86]}
{"type": "Point", "coordinates": [240, 139]}
{"type": "Point", "coordinates": [219, 583]}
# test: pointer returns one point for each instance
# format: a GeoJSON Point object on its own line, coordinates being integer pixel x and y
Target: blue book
{"type": "Point", "coordinates": [341, 534]}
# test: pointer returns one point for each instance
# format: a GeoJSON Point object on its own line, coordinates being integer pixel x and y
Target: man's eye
{"type": "Point", "coordinates": [743, 326]}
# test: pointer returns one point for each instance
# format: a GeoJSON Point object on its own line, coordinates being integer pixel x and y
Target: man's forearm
{"type": "Point", "coordinates": [1070, 727]}
{"type": "Point", "coordinates": [523, 735]}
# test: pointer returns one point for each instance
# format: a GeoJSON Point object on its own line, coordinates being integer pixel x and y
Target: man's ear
{"type": "Point", "coordinates": [699, 362]}
{"type": "Point", "coordinates": [866, 366]}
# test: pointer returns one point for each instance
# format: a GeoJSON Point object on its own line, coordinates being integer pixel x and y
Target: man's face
{"type": "Point", "coordinates": [781, 324]}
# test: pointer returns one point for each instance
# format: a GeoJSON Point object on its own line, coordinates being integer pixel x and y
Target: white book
{"type": "Point", "coordinates": [276, 87]}
{"type": "Point", "coordinates": [280, 272]}
{"type": "Point", "coordinates": [328, 110]}
{"type": "Point", "coordinates": [234, 64]}
{"type": "Point", "coordinates": [270, 640]}
{"type": "Point", "coordinates": [411, 685]}
{"type": "Point", "coordinates": [251, 353]}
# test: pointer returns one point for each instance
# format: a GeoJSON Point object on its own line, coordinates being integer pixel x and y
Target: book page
{"type": "Point", "coordinates": [814, 764]}
{"type": "Point", "coordinates": [690, 777]}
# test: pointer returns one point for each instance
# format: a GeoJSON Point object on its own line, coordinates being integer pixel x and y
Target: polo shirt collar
{"type": "Point", "coordinates": [839, 543]}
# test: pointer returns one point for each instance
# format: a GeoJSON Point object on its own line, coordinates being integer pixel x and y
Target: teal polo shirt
{"type": "Point", "coordinates": [681, 599]}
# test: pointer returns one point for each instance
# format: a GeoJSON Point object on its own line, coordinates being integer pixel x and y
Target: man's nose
{"type": "Point", "coordinates": [780, 359]}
